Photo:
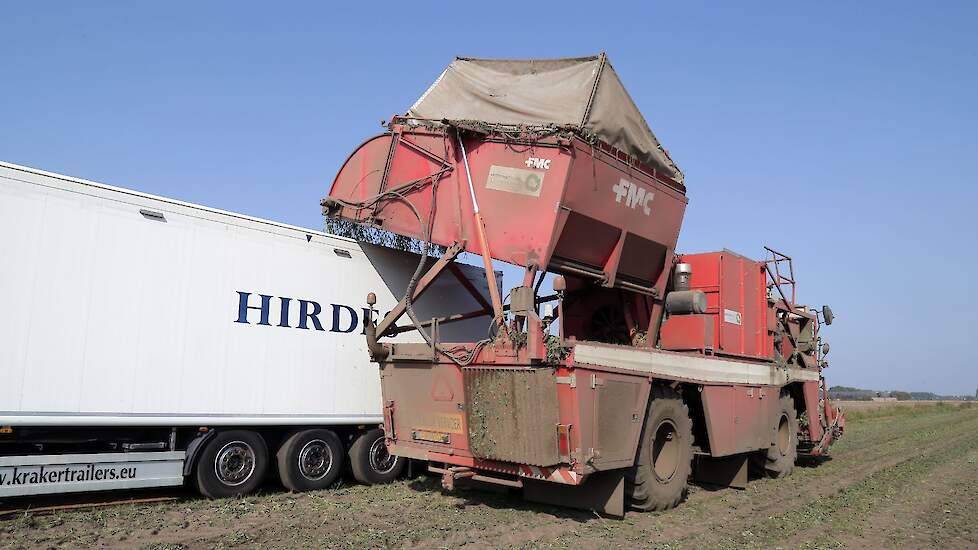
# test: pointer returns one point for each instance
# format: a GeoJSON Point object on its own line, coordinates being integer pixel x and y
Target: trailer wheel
{"type": "Point", "coordinates": [371, 462]}
{"type": "Point", "coordinates": [779, 460]}
{"type": "Point", "coordinates": [659, 479]}
{"type": "Point", "coordinates": [232, 464]}
{"type": "Point", "coordinates": [309, 460]}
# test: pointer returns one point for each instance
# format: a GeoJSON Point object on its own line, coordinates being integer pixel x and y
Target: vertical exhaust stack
{"type": "Point", "coordinates": [681, 275]}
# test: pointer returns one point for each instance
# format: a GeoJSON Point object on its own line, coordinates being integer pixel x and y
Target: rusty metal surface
{"type": "Point", "coordinates": [424, 402]}
{"type": "Point", "coordinates": [512, 414]}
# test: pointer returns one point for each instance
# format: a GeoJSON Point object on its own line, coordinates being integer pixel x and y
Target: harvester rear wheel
{"type": "Point", "coordinates": [659, 479]}
{"type": "Point", "coordinates": [779, 460]}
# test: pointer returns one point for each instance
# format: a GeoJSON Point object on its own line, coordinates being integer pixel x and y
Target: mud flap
{"type": "Point", "coordinates": [603, 492]}
{"type": "Point", "coordinates": [727, 471]}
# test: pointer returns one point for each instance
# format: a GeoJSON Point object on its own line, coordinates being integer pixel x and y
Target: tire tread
{"type": "Point", "coordinates": [639, 479]}
{"type": "Point", "coordinates": [360, 461]}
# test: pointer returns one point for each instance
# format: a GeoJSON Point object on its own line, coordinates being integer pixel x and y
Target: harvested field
{"type": "Point", "coordinates": [862, 406]}
{"type": "Point", "coordinates": [902, 477]}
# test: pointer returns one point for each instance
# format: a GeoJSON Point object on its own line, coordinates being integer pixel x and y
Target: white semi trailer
{"type": "Point", "coordinates": [150, 342]}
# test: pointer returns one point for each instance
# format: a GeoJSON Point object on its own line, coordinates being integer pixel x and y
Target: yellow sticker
{"type": "Point", "coordinates": [427, 435]}
{"type": "Point", "coordinates": [446, 422]}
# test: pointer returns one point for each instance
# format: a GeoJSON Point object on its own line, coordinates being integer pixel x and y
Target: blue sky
{"type": "Point", "coordinates": [841, 133]}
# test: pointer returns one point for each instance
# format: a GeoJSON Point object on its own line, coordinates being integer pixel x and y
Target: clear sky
{"type": "Point", "coordinates": [843, 133]}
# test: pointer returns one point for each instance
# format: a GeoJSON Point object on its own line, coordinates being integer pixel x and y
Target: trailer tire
{"type": "Point", "coordinates": [310, 460]}
{"type": "Point", "coordinates": [372, 464]}
{"type": "Point", "coordinates": [233, 463]}
{"type": "Point", "coordinates": [660, 477]}
{"type": "Point", "coordinates": [779, 460]}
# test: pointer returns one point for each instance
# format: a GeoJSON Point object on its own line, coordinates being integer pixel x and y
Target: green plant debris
{"type": "Point", "coordinates": [899, 479]}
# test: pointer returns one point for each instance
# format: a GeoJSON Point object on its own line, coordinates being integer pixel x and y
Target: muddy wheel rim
{"type": "Point", "coordinates": [784, 435]}
{"type": "Point", "coordinates": [381, 460]}
{"type": "Point", "coordinates": [665, 451]}
{"type": "Point", "coordinates": [235, 463]}
{"type": "Point", "coordinates": [315, 460]}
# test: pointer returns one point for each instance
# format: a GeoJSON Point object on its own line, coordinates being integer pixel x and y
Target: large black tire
{"type": "Point", "coordinates": [309, 460]}
{"type": "Point", "coordinates": [779, 460]}
{"type": "Point", "coordinates": [233, 463]}
{"type": "Point", "coordinates": [370, 461]}
{"type": "Point", "coordinates": [660, 477]}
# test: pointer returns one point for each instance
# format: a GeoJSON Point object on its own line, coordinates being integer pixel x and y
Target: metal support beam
{"type": "Point", "coordinates": [420, 288]}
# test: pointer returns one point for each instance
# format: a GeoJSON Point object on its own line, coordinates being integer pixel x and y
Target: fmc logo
{"type": "Point", "coordinates": [634, 196]}
{"type": "Point", "coordinates": [341, 318]}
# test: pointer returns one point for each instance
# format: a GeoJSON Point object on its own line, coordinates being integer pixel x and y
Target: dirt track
{"type": "Point", "coordinates": [902, 477]}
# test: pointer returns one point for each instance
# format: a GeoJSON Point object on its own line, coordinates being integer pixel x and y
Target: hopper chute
{"type": "Point", "coordinates": [547, 165]}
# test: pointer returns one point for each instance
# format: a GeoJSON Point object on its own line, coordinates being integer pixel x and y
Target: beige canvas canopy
{"type": "Point", "coordinates": [583, 92]}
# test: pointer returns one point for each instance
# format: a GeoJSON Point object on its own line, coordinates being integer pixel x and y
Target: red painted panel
{"type": "Point", "coordinates": [740, 418]}
{"type": "Point", "coordinates": [687, 332]}
{"type": "Point", "coordinates": [718, 404]}
{"type": "Point", "coordinates": [586, 240]}
{"type": "Point", "coordinates": [525, 195]}
{"type": "Point", "coordinates": [810, 391]}
{"type": "Point", "coordinates": [736, 296]}
{"type": "Point", "coordinates": [730, 316]}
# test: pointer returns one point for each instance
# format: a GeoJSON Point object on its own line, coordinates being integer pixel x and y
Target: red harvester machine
{"type": "Point", "coordinates": [654, 366]}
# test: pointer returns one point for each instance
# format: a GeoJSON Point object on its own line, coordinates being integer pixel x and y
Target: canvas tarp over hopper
{"type": "Point", "coordinates": [582, 92]}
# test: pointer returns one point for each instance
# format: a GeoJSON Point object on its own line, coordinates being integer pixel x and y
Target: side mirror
{"type": "Point", "coordinates": [827, 315]}
{"type": "Point", "coordinates": [825, 348]}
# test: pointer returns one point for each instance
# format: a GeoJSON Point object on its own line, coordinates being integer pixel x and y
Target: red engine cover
{"type": "Point", "coordinates": [736, 294]}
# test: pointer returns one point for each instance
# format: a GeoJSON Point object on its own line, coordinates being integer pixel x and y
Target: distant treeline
{"type": "Point", "coordinates": [847, 393]}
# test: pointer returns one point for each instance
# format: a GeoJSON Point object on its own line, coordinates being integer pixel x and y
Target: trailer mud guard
{"type": "Point", "coordinates": [193, 449]}
{"type": "Point", "coordinates": [603, 492]}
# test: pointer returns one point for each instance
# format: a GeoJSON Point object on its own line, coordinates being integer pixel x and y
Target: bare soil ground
{"type": "Point", "coordinates": [902, 477]}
